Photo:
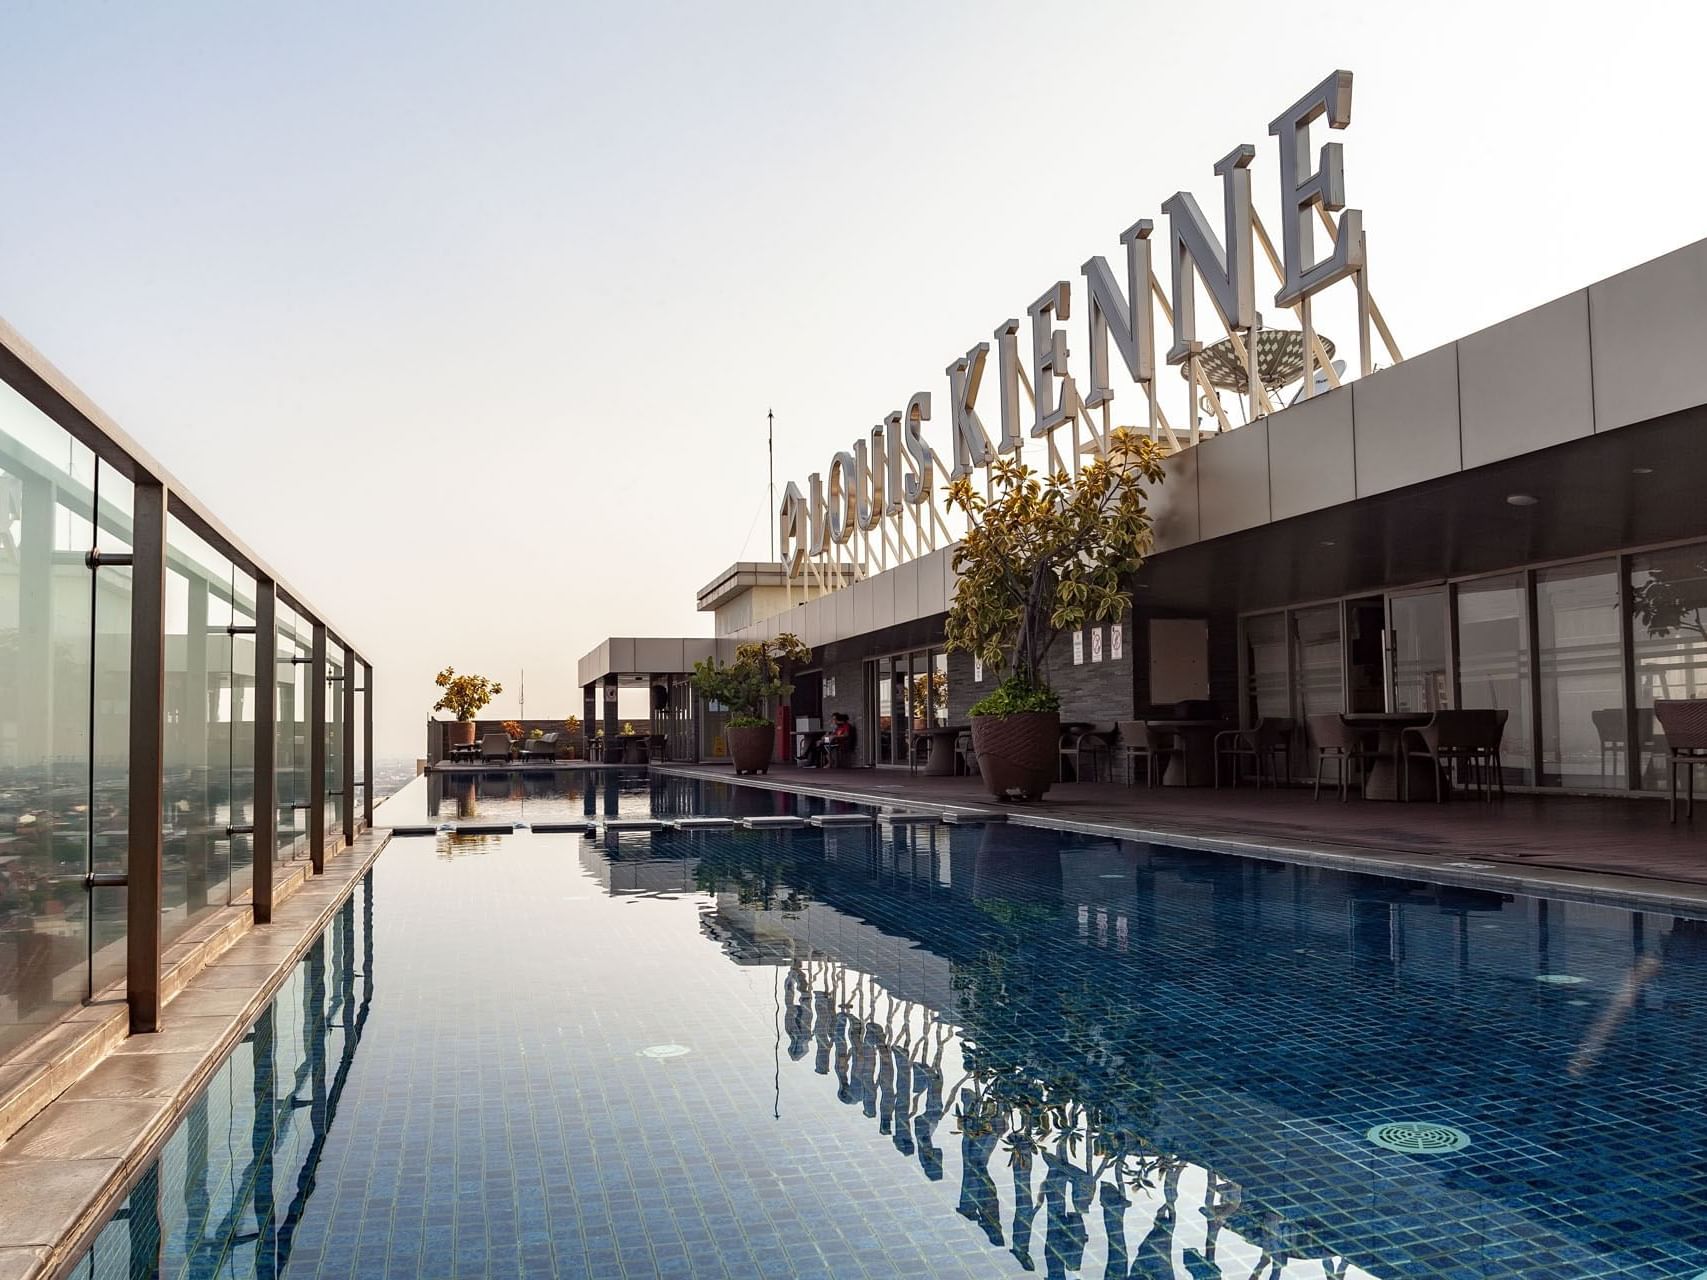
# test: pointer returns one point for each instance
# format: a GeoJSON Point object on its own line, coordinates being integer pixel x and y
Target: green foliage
{"type": "Point", "coordinates": [747, 685]}
{"type": "Point", "coordinates": [464, 696]}
{"type": "Point", "coordinates": [1014, 695]}
{"type": "Point", "coordinates": [1046, 553]}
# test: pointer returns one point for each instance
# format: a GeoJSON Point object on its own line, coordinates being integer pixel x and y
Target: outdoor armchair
{"type": "Point", "coordinates": [1339, 744]}
{"type": "Point", "coordinates": [1080, 742]}
{"type": "Point", "coordinates": [495, 746]}
{"type": "Point", "coordinates": [1266, 743]}
{"type": "Point", "coordinates": [1467, 740]}
{"type": "Point", "coordinates": [1155, 747]}
{"type": "Point", "coordinates": [1684, 723]}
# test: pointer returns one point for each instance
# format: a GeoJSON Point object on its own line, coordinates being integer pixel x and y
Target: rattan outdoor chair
{"type": "Point", "coordinates": [1265, 743]}
{"type": "Point", "coordinates": [1684, 723]}
{"type": "Point", "coordinates": [1339, 744]}
{"type": "Point", "coordinates": [1463, 741]}
{"type": "Point", "coordinates": [1138, 741]}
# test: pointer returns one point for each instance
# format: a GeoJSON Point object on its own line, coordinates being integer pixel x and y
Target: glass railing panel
{"type": "Point", "coordinates": [46, 644]}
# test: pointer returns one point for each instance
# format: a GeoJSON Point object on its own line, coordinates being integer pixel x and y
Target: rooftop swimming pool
{"type": "Point", "coordinates": [931, 1050]}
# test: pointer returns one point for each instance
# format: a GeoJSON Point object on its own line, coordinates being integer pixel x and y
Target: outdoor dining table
{"type": "Point", "coordinates": [1382, 780]}
{"type": "Point", "coordinates": [939, 760]}
{"type": "Point", "coordinates": [1194, 753]}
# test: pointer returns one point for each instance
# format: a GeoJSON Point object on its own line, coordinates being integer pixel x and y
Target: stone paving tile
{"type": "Point", "coordinates": [181, 1034]}
{"type": "Point", "coordinates": [101, 1128]}
{"type": "Point", "coordinates": [249, 976]}
{"type": "Point", "coordinates": [15, 1264]}
{"type": "Point", "coordinates": [39, 1197]}
{"type": "Point", "coordinates": [199, 1001]}
{"type": "Point", "coordinates": [135, 1075]}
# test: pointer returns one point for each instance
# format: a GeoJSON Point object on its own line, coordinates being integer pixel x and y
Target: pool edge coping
{"type": "Point", "coordinates": [1592, 888]}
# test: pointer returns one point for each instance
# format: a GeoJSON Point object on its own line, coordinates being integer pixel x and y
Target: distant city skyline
{"type": "Point", "coordinates": [469, 320]}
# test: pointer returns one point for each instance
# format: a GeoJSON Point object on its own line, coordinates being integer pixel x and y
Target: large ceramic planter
{"type": "Point", "coordinates": [459, 733]}
{"type": "Point", "coordinates": [1017, 754]}
{"type": "Point", "coordinates": [750, 748]}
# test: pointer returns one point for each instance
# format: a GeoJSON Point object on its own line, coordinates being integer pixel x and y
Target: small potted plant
{"type": "Point", "coordinates": [464, 697]}
{"type": "Point", "coordinates": [1041, 555]}
{"type": "Point", "coordinates": [746, 686]}
{"type": "Point", "coordinates": [572, 731]}
{"type": "Point", "coordinates": [514, 732]}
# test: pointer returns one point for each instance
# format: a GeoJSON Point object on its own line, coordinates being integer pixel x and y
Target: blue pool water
{"type": "Point", "coordinates": [937, 1051]}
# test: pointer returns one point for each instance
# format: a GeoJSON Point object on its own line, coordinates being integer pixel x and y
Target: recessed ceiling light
{"type": "Point", "coordinates": [1521, 499]}
{"type": "Point", "coordinates": [1327, 542]}
{"type": "Point", "coordinates": [1641, 471]}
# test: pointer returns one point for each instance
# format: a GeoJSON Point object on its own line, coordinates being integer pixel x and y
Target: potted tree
{"type": "Point", "coordinates": [746, 686]}
{"type": "Point", "coordinates": [1042, 554]}
{"type": "Point", "coordinates": [463, 697]}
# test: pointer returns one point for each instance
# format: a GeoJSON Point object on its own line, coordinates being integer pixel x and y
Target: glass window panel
{"type": "Point", "coordinates": [1493, 663]}
{"type": "Point", "coordinates": [1317, 669]}
{"type": "Point", "coordinates": [1418, 624]}
{"type": "Point", "coordinates": [939, 689]}
{"type": "Point", "coordinates": [1668, 597]}
{"type": "Point", "coordinates": [1266, 691]}
{"type": "Point", "coordinates": [886, 712]}
{"type": "Point", "coordinates": [1582, 683]}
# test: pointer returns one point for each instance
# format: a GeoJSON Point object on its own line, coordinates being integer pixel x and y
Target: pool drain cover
{"type": "Point", "coordinates": [1560, 979]}
{"type": "Point", "coordinates": [1414, 1138]}
{"type": "Point", "coordinates": [664, 1051]}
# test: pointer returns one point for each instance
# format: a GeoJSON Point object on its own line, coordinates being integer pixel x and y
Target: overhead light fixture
{"type": "Point", "coordinates": [1521, 499]}
{"type": "Point", "coordinates": [1327, 542]}
{"type": "Point", "coordinates": [1641, 471]}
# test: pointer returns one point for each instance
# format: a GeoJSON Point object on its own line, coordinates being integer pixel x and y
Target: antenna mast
{"type": "Point", "coordinates": [770, 446]}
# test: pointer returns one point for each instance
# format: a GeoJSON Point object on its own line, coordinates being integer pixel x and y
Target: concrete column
{"type": "Point", "coordinates": [147, 752]}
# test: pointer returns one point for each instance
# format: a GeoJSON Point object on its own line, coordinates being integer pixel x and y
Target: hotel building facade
{"type": "Point", "coordinates": [1512, 520]}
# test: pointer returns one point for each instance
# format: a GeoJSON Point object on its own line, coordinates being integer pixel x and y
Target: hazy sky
{"type": "Point", "coordinates": [467, 315]}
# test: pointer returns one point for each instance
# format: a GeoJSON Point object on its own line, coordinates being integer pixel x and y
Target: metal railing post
{"type": "Point", "coordinates": [264, 842]}
{"type": "Point", "coordinates": [317, 751]}
{"type": "Point", "coordinates": [147, 755]}
{"type": "Point", "coordinates": [367, 744]}
{"type": "Point", "coordinates": [348, 762]}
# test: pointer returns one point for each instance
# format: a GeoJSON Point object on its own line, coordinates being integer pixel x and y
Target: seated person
{"type": "Point", "coordinates": [840, 746]}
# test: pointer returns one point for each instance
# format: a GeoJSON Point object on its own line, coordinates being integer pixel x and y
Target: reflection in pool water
{"type": "Point", "coordinates": [943, 1051]}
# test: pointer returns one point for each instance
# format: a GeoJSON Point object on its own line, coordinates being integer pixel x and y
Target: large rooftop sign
{"type": "Point", "coordinates": [876, 508]}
